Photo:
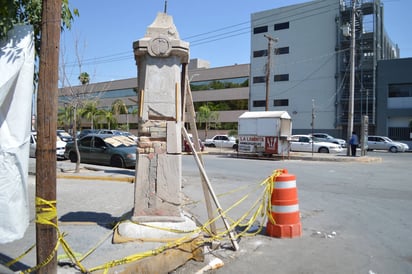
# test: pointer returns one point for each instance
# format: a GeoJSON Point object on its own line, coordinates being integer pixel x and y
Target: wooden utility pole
{"type": "Point", "coordinates": [270, 41]}
{"type": "Point", "coordinates": [46, 213]}
{"type": "Point", "coordinates": [352, 78]}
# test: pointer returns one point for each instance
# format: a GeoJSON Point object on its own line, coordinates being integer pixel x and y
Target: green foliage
{"type": "Point", "coordinates": [219, 84]}
{"type": "Point", "coordinates": [29, 12]}
{"type": "Point", "coordinates": [84, 78]}
{"type": "Point", "coordinates": [119, 107]}
{"type": "Point", "coordinates": [92, 113]}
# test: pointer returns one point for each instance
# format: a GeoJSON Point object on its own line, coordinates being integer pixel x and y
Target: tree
{"type": "Point", "coordinates": [84, 78]}
{"type": "Point", "coordinates": [207, 116]}
{"type": "Point", "coordinates": [110, 119]}
{"type": "Point", "coordinates": [119, 107]}
{"type": "Point", "coordinates": [91, 112]}
{"type": "Point", "coordinates": [30, 12]}
{"type": "Point", "coordinates": [64, 117]}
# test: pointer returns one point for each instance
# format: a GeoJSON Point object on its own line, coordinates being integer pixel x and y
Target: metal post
{"type": "Point", "coordinates": [313, 122]}
{"type": "Point", "coordinates": [352, 78]}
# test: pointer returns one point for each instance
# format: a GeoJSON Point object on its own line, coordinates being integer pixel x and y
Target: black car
{"type": "Point", "coordinates": [64, 136]}
{"type": "Point", "coordinates": [104, 149]}
{"type": "Point", "coordinates": [85, 132]}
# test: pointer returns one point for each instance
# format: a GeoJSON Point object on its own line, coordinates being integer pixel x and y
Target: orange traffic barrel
{"type": "Point", "coordinates": [284, 219]}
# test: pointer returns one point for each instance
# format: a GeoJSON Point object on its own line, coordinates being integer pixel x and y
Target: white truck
{"type": "Point", "coordinates": [264, 132]}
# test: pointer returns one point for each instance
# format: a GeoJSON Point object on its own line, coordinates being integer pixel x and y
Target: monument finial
{"type": "Point", "coordinates": [165, 11]}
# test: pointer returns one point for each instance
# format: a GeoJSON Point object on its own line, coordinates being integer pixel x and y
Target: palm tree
{"type": "Point", "coordinates": [110, 119]}
{"type": "Point", "coordinates": [119, 107]}
{"type": "Point", "coordinates": [84, 78]}
{"type": "Point", "coordinates": [207, 116]}
{"type": "Point", "coordinates": [92, 113]}
{"type": "Point", "coordinates": [64, 117]}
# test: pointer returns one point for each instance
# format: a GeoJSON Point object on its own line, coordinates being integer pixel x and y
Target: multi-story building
{"type": "Point", "coordinates": [225, 90]}
{"type": "Point", "coordinates": [309, 73]}
{"type": "Point", "coordinates": [394, 99]}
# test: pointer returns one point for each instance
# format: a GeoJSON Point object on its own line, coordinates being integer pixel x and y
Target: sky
{"type": "Point", "coordinates": [101, 38]}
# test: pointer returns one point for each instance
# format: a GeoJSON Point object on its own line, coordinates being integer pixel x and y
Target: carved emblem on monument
{"type": "Point", "coordinates": [159, 47]}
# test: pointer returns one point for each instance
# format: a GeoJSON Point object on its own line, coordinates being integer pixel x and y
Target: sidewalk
{"type": "Point", "coordinates": [341, 157]}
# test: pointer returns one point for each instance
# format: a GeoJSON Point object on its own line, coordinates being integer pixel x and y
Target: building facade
{"type": "Point", "coordinates": [225, 90]}
{"type": "Point", "coordinates": [309, 72]}
{"type": "Point", "coordinates": [394, 98]}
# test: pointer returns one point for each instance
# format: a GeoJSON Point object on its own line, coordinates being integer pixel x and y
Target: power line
{"type": "Point", "coordinates": [210, 36]}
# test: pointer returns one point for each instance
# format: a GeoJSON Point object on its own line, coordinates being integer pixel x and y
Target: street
{"type": "Point", "coordinates": [355, 216]}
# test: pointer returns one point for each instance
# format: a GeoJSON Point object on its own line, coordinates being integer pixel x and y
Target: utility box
{"type": "Point", "coordinates": [264, 132]}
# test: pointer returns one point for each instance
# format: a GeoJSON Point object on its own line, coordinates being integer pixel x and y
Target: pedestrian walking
{"type": "Point", "coordinates": [354, 142]}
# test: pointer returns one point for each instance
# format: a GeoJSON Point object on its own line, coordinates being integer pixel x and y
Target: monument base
{"type": "Point", "coordinates": [156, 231]}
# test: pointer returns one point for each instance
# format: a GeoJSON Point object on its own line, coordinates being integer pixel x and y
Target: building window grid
{"type": "Point", "coordinates": [261, 29]}
{"type": "Point", "coordinates": [280, 26]}
{"type": "Point", "coordinates": [281, 77]}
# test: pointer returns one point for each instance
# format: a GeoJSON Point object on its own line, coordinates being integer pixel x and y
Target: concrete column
{"type": "Point", "coordinates": [159, 56]}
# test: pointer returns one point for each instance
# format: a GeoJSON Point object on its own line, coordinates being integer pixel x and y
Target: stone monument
{"type": "Point", "coordinates": [159, 57]}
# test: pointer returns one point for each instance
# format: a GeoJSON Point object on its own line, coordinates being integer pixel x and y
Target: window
{"type": "Point", "coordinates": [86, 142]}
{"type": "Point", "coordinates": [259, 103]}
{"type": "Point", "coordinates": [260, 29]}
{"type": "Point", "coordinates": [220, 84]}
{"type": "Point", "coordinates": [281, 77]}
{"type": "Point", "coordinates": [284, 50]}
{"type": "Point", "coordinates": [280, 26]}
{"type": "Point", "coordinates": [260, 53]}
{"type": "Point", "coordinates": [99, 143]}
{"type": "Point", "coordinates": [281, 103]}
{"type": "Point", "coordinates": [259, 79]}
{"type": "Point", "coordinates": [304, 139]}
{"type": "Point", "coordinates": [226, 105]}
{"type": "Point", "coordinates": [400, 90]}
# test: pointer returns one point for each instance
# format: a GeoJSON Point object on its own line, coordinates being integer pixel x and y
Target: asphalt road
{"type": "Point", "coordinates": [355, 215]}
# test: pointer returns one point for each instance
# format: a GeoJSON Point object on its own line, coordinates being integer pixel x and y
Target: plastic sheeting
{"type": "Point", "coordinates": [16, 89]}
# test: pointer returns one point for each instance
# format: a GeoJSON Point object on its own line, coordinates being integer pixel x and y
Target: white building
{"type": "Point", "coordinates": [309, 62]}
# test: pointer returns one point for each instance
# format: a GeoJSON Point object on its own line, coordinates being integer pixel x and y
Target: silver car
{"type": "Point", "coordinates": [327, 138]}
{"type": "Point", "coordinates": [385, 143]}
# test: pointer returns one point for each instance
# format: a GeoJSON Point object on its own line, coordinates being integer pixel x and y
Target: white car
{"type": "Point", "coordinates": [385, 143]}
{"type": "Point", "coordinates": [303, 143]}
{"type": "Point", "coordinates": [60, 146]}
{"type": "Point", "coordinates": [221, 141]}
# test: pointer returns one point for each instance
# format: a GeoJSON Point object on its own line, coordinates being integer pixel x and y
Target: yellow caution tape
{"type": "Point", "coordinates": [46, 214]}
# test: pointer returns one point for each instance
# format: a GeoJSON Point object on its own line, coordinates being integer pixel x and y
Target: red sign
{"type": "Point", "coordinates": [271, 145]}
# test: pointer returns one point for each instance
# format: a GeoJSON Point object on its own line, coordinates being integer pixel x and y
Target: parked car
{"type": "Point", "coordinates": [64, 136]}
{"type": "Point", "coordinates": [104, 149]}
{"type": "Point", "coordinates": [303, 143]}
{"type": "Point", "coordinates": [60, 146]}
{"type": "Point", "coordinates": [85, 132]}
{"type": "Point", "coordinates": [186, 147]}
{"type": "Point", "coordinates": [109, 131]}
{"type": "Point", "coordinates": [328, 138]}
{"type": "Point", "coordinates": [221, 141]}
{"type": "Point", "coordinates": [385, 143]}
{"type": "Point", "coordinates": [118, 132]}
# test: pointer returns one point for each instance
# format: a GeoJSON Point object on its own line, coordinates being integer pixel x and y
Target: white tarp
{"type": "Point", "coordinates": [16, 89]}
